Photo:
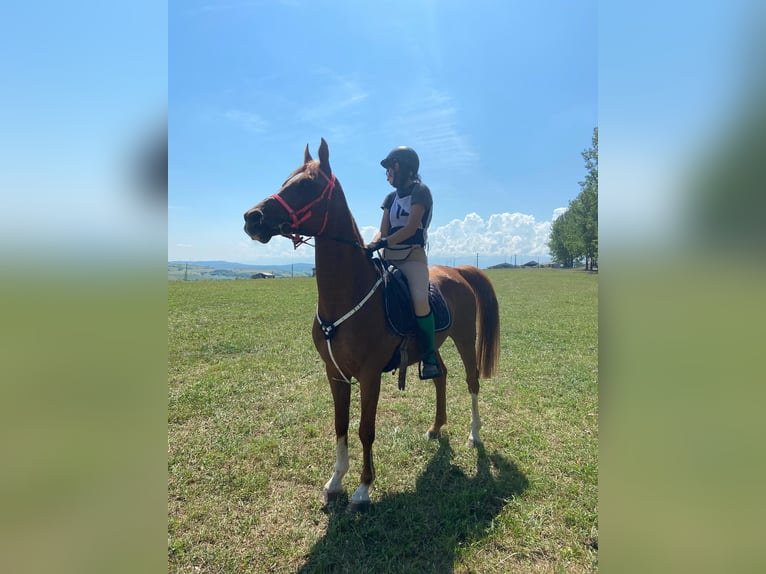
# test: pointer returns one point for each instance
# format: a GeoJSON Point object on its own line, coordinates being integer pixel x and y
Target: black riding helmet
{"type": "Point", "coordinates": [406, 157]}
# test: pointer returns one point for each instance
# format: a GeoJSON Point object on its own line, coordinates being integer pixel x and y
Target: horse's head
{"type": "Point", "coordinates": [300, 207]}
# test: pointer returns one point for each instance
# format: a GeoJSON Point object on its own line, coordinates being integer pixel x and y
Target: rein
{"type": "Point", "coordinates": [300, 216]}
{"type": "Point", "coordinates": [303, 214]}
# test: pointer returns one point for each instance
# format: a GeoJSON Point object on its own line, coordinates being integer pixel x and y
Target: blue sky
{"type": "Point", "coordinates": [498, 98]}
{"type": "Point", "coordinates": [84, 90]}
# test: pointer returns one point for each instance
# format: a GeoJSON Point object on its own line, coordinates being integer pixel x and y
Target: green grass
{"type": "Point", "coordinates": [251, 441]}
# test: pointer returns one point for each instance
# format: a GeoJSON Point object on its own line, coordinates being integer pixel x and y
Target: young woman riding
{"type": "Point", "coordinates": [402, 236]}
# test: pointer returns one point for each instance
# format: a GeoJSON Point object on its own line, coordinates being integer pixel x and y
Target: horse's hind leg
{"type": "Point", "coordinates": [467, 352]}
{"type": "Point", "coordinates": [474, 440]}
{"type": "Point", "coordinates": [440, 384]}
{"type": "Point", "coordinates": [341, 394]}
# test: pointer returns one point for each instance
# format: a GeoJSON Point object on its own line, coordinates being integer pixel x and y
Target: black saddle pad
{"type": "Point", "coordinates": [399, 312]}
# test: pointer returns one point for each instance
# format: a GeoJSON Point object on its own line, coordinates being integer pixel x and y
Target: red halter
{"type": "Point", "coordinates": [303, 214]}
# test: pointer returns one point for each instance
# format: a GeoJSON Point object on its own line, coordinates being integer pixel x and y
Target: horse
{"type": "Point", "coordinates": [350, 330]}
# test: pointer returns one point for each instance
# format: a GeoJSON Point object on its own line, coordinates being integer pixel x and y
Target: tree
{"type": "Point", "coordinates": [564, 243]}
{"type": "Point", "coordinates": [575, 233]}
{"type": "Point", "coordinates": [588, 203]}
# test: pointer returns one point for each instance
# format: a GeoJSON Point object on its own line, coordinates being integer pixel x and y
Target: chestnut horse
{"type": "Point", "coordinates": [350, 331]}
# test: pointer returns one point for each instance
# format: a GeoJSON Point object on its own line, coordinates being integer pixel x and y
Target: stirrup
{"type": "Point", "coordinates": [428, 371]}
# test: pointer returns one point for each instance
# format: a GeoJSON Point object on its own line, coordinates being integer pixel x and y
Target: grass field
{"type": "Point", "coordinates": [251, 441]}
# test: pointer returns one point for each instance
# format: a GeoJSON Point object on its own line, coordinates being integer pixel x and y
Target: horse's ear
{"type": "Point", "coordinates": [324, 157]}
{"type": "Point", "coordinates": [307, 155]}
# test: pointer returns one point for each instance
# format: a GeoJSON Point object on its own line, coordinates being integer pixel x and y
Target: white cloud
{"type": "Point", "coordinates": [501, 235]}
{"type": "Point", "coordinates": [368, 232]}
{"type": "Point", "coordinates": [431, 123]}
{"type": "Point", "coordinates": [341, 95]}
{"type": "Point", "coordinates": [496, 239]}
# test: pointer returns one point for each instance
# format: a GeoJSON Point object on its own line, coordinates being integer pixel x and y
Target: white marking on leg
{"type": "Point", "coordinates": [474, 439]}
{"type": "Point", "coordinates": [340, 469]}
{"type": "Point", "coordinates": [360, 500]}
{"type": "Point", "coordinates": [361, 494]}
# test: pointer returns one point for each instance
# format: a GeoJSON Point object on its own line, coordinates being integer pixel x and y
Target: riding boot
{"type": "Point", "coordinates": [431, 368]}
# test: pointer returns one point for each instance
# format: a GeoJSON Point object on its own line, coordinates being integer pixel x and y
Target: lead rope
{"type": "Point", "coordinates": [329, 328]}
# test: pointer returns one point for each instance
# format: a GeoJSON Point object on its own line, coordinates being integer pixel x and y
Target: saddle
{"type": "Point", "coordinates": [399, 312]}
{"type": "Point", "coordinates": [400, 315]}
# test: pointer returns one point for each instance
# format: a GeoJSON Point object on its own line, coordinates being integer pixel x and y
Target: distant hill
{"type": "Point", "coordinates": [222, 270]}
{"type": "Point", "coordinates": [233, 265]}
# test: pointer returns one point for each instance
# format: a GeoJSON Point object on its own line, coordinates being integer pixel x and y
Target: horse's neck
{"type": "Point", "coordinates": [344, 276]}
{"type": "Point", "coordinates": [343, 273]}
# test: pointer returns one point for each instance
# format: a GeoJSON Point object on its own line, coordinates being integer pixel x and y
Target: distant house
{"type": "Point", "coordinates": [262, 275]}
{"type": "Point", "coordinates": [531, 264]}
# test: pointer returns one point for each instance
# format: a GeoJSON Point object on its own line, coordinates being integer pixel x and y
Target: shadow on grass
{"type": "Point", "coordinates": [420, 531]}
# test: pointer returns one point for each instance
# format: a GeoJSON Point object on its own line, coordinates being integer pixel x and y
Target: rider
{"type": "Point", "coordinates": [403, 235]}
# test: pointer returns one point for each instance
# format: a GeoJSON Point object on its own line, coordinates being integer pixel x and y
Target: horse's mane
{"type": "Point", "coordinates": [312, 169]}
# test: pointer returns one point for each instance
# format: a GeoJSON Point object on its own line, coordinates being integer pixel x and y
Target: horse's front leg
{"type": "Point", "coordinates": [341, 395]}
{"type": "Point", "coordinates": [370, 392]}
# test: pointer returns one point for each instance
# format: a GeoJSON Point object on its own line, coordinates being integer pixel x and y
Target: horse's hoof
{"type": "Point", "coordinates": [358, 507]}
{"type": "Point", "coordinates": [430, 435]}
{"type": "Point", "coordinates": [472, 443]}
{"type": "Point", "coordinates": [330, 497]}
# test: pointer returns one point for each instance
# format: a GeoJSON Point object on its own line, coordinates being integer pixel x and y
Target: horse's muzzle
{"type": "Point", "coordinates": [254, 225]}
{"type": "Point", "coordinates": [254, 216]}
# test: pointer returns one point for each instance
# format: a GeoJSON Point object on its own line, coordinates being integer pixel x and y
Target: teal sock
{"type": "Point", "coordinates": [426, 327]}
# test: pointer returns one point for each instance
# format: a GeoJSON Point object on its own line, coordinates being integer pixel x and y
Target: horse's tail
{"type": "Point", "coordinates": [488, 342]}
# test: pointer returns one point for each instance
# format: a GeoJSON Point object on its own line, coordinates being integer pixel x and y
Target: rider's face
{"type": "Point", "coordinates": [391, 172]}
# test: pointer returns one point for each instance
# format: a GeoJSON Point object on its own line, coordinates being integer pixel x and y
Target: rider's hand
{"type": "Point", "coordinates": [375, 246]}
